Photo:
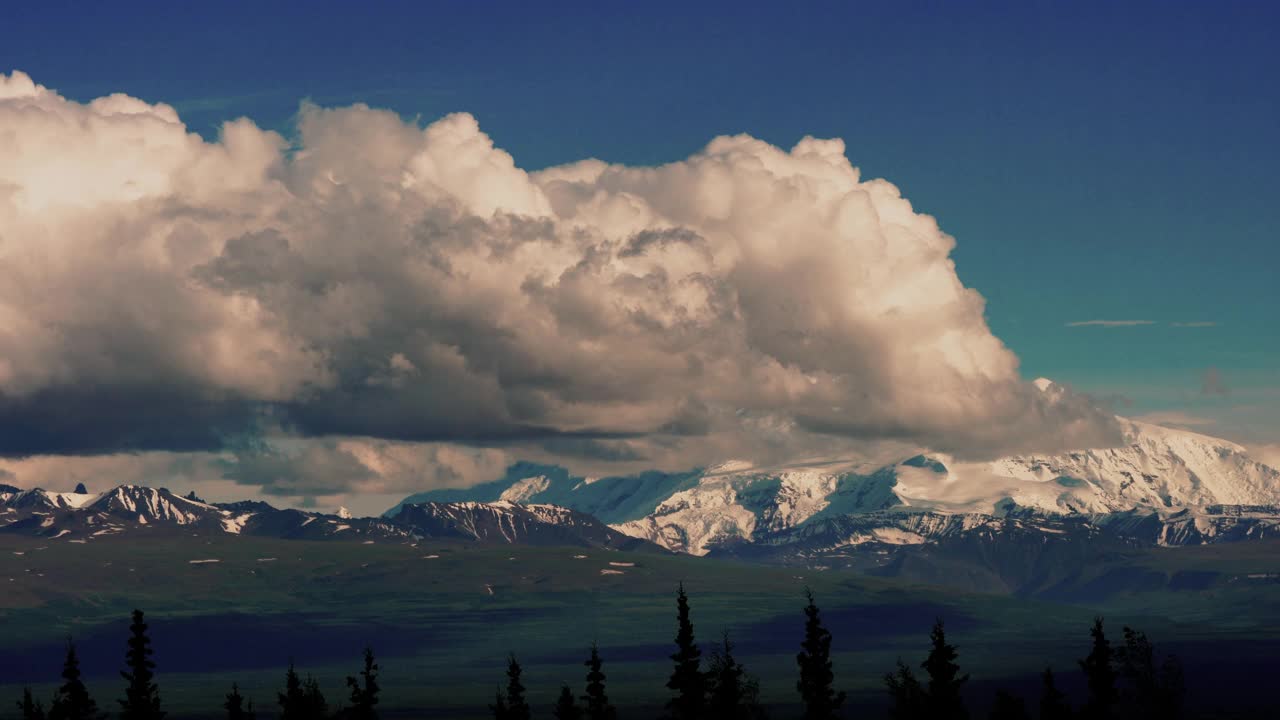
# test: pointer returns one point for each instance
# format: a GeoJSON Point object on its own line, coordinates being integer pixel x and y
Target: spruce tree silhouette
{"type": "Point", "coordinates": [566, 706]}
{"type": "Point", "coordinates": [499, 706]}
{"type": "Point", "coordinates": [942, 698]}
{"type": "Point", "coordinates": [1100, 675]}
{"type": "Point", "coordinates": [71, 701]}
{"type": "Point", "coordinates": [292, 700]}
{"type": "Point", "coordinates": [687, 680]}
{"type": "Point", "coordinates": [364, 691]}
{"type": "Point", "coordinates": [1149, 691]}
{"type": "Point", "coordinates": [314, 706]}
{"type": "Point", "coordinates": [1053, 703]}
{"type": "Point", "coordinates": [1009, 707]}
{"type": "Point", "coordinates": [597, 702]}
{"type": "Point", "coordinates": [234, 705]}
{"type": "Point", "coordinates": [141, 696]}
{"type": "Point", "coordinates": [731, 693]}
{"type": "Point", "coordinates": [517, 707]}
{"type": "Point", "coordinates": [821, 702]}
{"type": "Point", "coordinates": [30, 708]}
{"type": "Point", "coordinates": [906, 696]}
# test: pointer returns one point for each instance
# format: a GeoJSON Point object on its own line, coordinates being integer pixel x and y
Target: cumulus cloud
{"type": "Point", "coordinates": [363, 474]}
{"type": "Point", "coordinates": [1267, 454]}
{"type": "Point", "coordinates": [373, 278]}
{"type": "Point", "coordinates": [1110, 323]}
{"type": "Point", "coordinates": [1175, 418]}
{"type": "Point", "coordinates": [349, 466]}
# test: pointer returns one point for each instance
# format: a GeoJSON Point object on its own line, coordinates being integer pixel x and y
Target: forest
{"type": "Point", "coordinates": [1127, 679]}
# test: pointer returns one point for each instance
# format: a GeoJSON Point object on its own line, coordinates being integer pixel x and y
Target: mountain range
{"type": "Point", "coordinates": [131, 510]}
{"type": "Point", "coordinates": [1017, 521]}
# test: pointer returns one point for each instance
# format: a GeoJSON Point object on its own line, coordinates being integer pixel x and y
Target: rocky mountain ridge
{"type": "Point", "coordinates": [130, 510]}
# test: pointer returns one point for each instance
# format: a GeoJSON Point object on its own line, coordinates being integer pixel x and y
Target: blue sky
{"type": "Point", "coordinates": [1094, 161]}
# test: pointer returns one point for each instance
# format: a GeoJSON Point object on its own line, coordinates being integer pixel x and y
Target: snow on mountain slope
{"type": "Point", "coordinates": [1158, 472]}
{"type": "Point", "coordinates": [511, 523]}
{"type": "Point", "coordinates": [741, 503]}
{"type": "Point", "coordinates": [1158, 468]}
{"type": "Point", "coordinates": [131, 509]}
{"type": "Point", "coordinates": [151, 505]}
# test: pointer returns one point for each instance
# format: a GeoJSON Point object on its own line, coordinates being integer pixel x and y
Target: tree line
{"type": "Point", "coordinates": [1123, 681]}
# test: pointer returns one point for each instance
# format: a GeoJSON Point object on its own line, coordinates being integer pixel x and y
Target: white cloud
{"type": "Point", "coordinates": [1175, 418]}
{"type": "Point", "coordinates": [1110, 323]}
{"type": "Point", "coordinates": [366, 475]}
{"type": "Point", "coordinates": [1267, 454]}
{"type": "Point", "coordinates": [414, 284]}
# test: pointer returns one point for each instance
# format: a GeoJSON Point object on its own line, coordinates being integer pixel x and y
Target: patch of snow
{"type": "Point", "coordinates": [897, 536]}
{"type": "Point", "coordinates": [522, 491]}
{"type": "Point", "coordinates": [607, 571]}
{"type": "Point", "coordinates": [200, 562]}
{"type": "Point", "coordinates": [235, 524]}
{"type": "Point", "coordinates": [72, 500]}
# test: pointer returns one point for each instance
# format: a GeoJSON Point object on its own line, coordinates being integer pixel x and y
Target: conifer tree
{"type": "Point", "coordinates": [235, 707]}
{"type": "Point", "coordinates": [821, 701]}
{"type": "Point", "coordinates": [499, 706]}
{"type": "Point", "coordinates": [364, 691]}
{"type": "Point", "coordinates": [943, 693]}
{"type": "Point", "coordinates": [517, 707]}
{"type": "Point", "coordinates": [314, 706]}
{"type": "Point", "coordinates": [30, 708]}
{"type": "Point", "coordinates": [906, 696]}
{"type": "Point", "coordinates": [292, 700]}
{"type": "Point", "coordinates": [566, 706]}
{"type": "Point", "coordinates": [1009, 707]}
{"type": "Point", "coordinates": [597, 702]}
{"type": "Point", "coordinates": [1100, 676]}
{"type": "Point", "coordinates": [731, 693]}
{"type": "Point", "coordinates": [72, 701]}
{"type": "Point", "coordinates": [1150, 691]}
{"type": "Point", "coordinates": [1053, 703]}
{"type": "Point", "coordinates": [687, 680]}
{"type": "Point", "coordinates": [141, 696]}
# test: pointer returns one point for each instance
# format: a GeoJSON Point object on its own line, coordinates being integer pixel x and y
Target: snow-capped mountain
{"type": "Point", "coordinates": [507, 522]}
{"type": "Point", "coordinates": [130, 510]}
{"type": "Point", "coordinates": [1163, 486]}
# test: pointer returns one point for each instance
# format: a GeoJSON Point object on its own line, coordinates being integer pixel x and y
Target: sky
{"type": "Point", "coordinates": [1091, 194]}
